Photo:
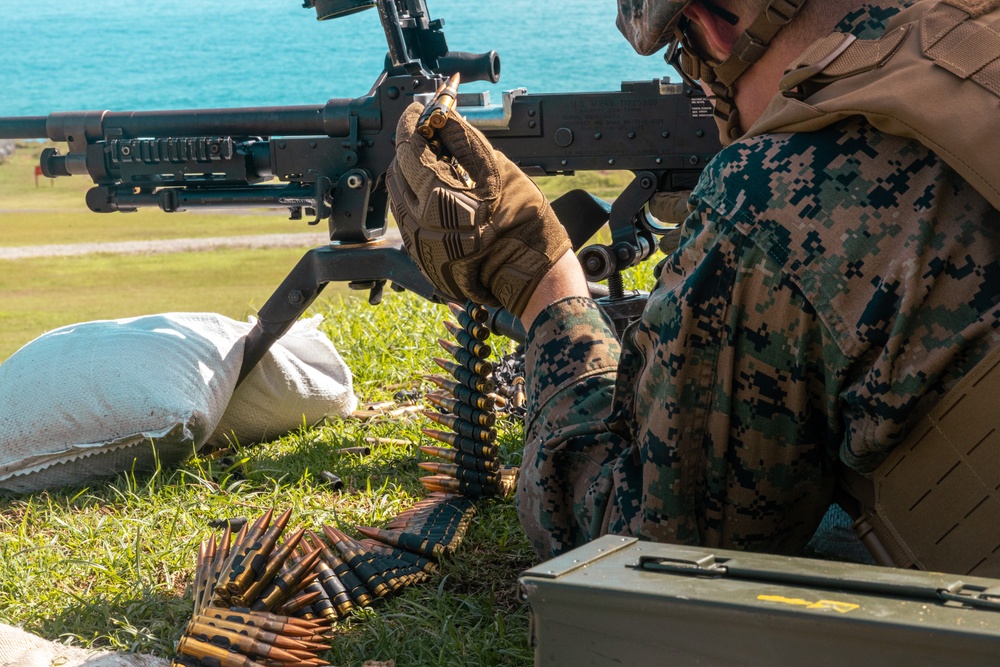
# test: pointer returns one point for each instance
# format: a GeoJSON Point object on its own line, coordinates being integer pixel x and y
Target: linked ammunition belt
{"type": "Point", "coordinates": [258, 603]}
{"type": "Point", "coordinates": [472, 464]}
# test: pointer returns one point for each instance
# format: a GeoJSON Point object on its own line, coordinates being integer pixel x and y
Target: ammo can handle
{"type": "Point", "coordinates": [899, 584]}
{"type": "Point", "coordinates": [706, 566]}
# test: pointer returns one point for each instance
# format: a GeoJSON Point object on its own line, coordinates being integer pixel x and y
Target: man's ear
{"type": "Point", "coordinates": [717, 35]}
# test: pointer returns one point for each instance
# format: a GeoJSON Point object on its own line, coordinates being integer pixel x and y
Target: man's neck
{"type": "Point", "coordinates": [759, 84]}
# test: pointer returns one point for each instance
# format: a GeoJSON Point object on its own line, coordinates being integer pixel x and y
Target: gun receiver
{"type": "Point", "coordinates": [328, 162]}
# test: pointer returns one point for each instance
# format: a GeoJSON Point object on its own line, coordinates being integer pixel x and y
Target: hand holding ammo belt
{"type": "Point", "coordinates": [477, 227]}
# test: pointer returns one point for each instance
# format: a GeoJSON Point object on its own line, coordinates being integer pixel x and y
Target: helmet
{"type": "Point", "coordinates": [649, 25]}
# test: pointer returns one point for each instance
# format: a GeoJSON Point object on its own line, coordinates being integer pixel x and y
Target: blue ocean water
{"type": "Point", "coordinates": [179, 54]}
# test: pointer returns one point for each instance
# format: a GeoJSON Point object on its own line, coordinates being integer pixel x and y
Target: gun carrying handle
{"type": "Point", "coordinates": [471, 66]}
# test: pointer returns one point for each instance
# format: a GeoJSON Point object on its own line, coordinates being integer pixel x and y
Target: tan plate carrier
{"type": "Point", "coordinates": [933, 76]}
{"type": "Point", "coordinates": [934, 504]}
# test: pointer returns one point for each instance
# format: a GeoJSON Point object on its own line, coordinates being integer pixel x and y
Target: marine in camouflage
{"type": "Point", "coordinates": [829, 288]}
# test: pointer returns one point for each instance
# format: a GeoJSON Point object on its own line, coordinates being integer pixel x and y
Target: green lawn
{"type": "Point", "coordinates": [109, 565]}
{"type": "Point", "coordinates": [44, 293]}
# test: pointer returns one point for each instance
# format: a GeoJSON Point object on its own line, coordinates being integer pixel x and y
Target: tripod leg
{"type": "Point", "coordinates": [293, 296]}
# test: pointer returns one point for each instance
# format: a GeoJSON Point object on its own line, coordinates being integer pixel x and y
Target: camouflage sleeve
{"type": "Point", "coordinates": [709, 428]}
{"type": "Point", "coordinates": [571, 359]}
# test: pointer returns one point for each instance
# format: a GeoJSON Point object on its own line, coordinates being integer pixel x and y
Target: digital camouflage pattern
{"type": "Point", "coordinates": [828, 289]}
{"type": "Point", "coordinates": [648, 25]}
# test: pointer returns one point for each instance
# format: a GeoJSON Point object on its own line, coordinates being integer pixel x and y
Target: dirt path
{"type": "Point", "coordinates": [170, 245]}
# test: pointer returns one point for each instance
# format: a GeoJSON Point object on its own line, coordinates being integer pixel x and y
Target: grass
{"type": "Point", "coordinates": [108, 565]}
{"type": "Point", "coordinates": [37, 295]}
{"type": "Point", "coordinates": [604, 184]}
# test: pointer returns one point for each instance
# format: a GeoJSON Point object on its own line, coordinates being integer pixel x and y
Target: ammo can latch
{"type": "Point", "coordinates": [973, 596]}
{"type": "Point", "coordinates": [705, 566]}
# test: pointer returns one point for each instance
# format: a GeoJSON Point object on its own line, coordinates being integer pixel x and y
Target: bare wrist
{"type": "Point", "coordinates": [564, 279]}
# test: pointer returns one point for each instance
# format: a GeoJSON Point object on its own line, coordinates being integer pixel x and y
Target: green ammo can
{"type": "Point", "coordinates": [619, 601]}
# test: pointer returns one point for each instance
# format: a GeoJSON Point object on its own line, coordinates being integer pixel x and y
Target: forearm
{"type": "Point", "coordinates": [564, 279]}
{"type": "Point", "coordinates": [569, 343]}
{"type": "Point", "coordinates": [571, 363]}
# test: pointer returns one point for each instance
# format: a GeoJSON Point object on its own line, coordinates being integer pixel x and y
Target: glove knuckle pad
{"type": "Point", "coordinates": [452, 210]}
{"type": "Point", "coordinates": [450, 246]}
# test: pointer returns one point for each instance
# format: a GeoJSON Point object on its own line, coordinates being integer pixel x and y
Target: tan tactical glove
{"type": "Point", "coordinates": [491, 242]}
{"type": "Point", "coordinates": [670, 208]}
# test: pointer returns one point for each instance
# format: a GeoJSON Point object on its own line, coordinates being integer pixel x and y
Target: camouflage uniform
{"type": "Point", "coordinates": [828, 289]}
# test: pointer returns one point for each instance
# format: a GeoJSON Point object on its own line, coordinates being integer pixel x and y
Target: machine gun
{"type": "Point", "coordinates": [330, 160]}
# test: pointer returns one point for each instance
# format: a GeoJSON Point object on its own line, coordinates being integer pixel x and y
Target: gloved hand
{"type": "Point", "coordinates": [670, 208]}
{"type": "Point", "coordinates": [491, 242]}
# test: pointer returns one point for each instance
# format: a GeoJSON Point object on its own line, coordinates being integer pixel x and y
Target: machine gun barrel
{"type": "Point", "coordinates": [28, 127]}
{"type": "Point", "coordinates": [331, 119]}
{"type": "Point", "coordinates": [291, 120]}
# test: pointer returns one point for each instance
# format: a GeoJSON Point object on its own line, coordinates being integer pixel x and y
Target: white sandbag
{"type": "Point", "coordinates": [303, 379]}
{"type": "Point", "coordinates": [88, 400]}
{"type": "Point", "coordinates": [21, 649]}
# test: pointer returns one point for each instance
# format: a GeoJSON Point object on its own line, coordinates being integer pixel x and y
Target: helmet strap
{"type": "Point", "coordinates": [720, 77]}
